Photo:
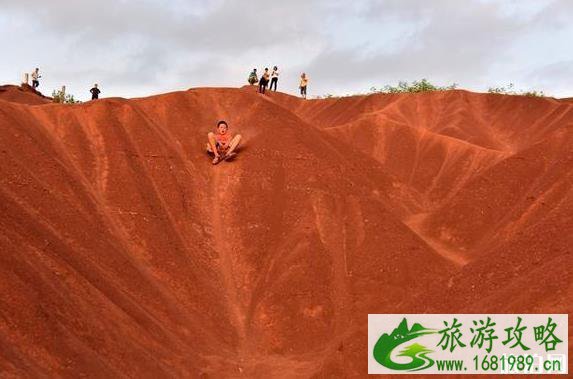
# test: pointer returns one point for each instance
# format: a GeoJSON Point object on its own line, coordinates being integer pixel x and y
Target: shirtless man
{"type": "Point", "coordinates": [222, 144]}
{"type": "Point", "coordinates": [303, 85]}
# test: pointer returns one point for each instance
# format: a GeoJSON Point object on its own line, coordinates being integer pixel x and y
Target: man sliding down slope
{"type": "Point", "coordinates": [222, 144]}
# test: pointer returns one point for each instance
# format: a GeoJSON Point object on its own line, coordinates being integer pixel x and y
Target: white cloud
{"type": "Point", "coordinates": [134, 48]}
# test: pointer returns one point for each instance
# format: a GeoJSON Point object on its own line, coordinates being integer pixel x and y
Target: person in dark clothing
{"type": "Point", "coordinates": [264, 82]}
{"type": "Point", "coordinates": [95, 92]}
{"type": "Point", "coordinates": [303, 84]}
{"type": "Point", "coordinates": [274, 78]}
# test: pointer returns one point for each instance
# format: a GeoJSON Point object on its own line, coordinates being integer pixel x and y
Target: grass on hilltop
{"type": "Point", "coordinates": [419, 86]}
{"type": "Point", "coordinates": [509, 90]}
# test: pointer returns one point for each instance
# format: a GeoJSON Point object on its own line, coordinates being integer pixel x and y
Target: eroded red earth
{"type": "Point", "coordinates": [125, 253]}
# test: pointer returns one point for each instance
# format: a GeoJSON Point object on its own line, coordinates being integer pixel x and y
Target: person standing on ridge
{"type": "Point", "coordinates": [274, 78]}
{"type": "Point", "coordinates": [36, 78]}
{"type": "Point", "coordinates": [95, 92]}
{"type": "Point", "coordinates": [303, 84]}
{"type": "Point", "coordinates": [253, 79]}
{"type": "Point", "coordinates": [264, 82]}
{"type": "Point", "coordinates": [222, 144]}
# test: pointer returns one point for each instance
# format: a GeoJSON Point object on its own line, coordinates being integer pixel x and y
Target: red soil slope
{"type": "Point", "coordinates": [125, 253]}
{"type": "Point", "coordinates": [23, 95]}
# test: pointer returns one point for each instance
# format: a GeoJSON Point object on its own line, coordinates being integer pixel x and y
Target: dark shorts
{"type": "Point", "coordinates": [220, 147]}
{"type": "Point", "coordinates": [303, 90]}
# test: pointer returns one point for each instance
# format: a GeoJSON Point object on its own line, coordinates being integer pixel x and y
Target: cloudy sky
{"type": "Point", "coordinates": [142, 47]}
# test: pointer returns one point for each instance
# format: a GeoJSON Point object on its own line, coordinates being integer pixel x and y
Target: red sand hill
{"type": "Point", "coordinates": [125, 253]}
{"type": "Point", "coordinates": [24, 94]}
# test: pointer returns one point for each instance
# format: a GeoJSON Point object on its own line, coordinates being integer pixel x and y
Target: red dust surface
{"type": "Point", "coordinates": [23, 95]}
{"type": "Point", "coordinates": [125, 253]}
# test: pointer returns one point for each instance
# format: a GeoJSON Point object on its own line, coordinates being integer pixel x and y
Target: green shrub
{"type": "Point", "coordinates": [533, 93]}
{"type": "Point", "coordinates": [415, 87]}
{"type": "Point", "coordinates": [61, 97]}
{"type": "Point", "coordinates": [502, 90]}
{"type": "Point", "coordinates": [424, 85]}
{"type": "Point", "coordinates": [510, 90]}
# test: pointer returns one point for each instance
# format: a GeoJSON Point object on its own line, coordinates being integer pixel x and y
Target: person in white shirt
{"type": "Point", "coordinates": [274, 78]}
{"type": "Point", "coordinates": [36, 78]}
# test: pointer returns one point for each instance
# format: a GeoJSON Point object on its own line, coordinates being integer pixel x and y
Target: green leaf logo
{"type": "Point", "coordinates": [386, 344]}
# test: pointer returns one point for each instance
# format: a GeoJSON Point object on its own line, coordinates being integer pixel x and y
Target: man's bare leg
{"type": "Point", "coordinates": [233, 144]}
{"type": "Point", "coordinates": [213, 146]}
